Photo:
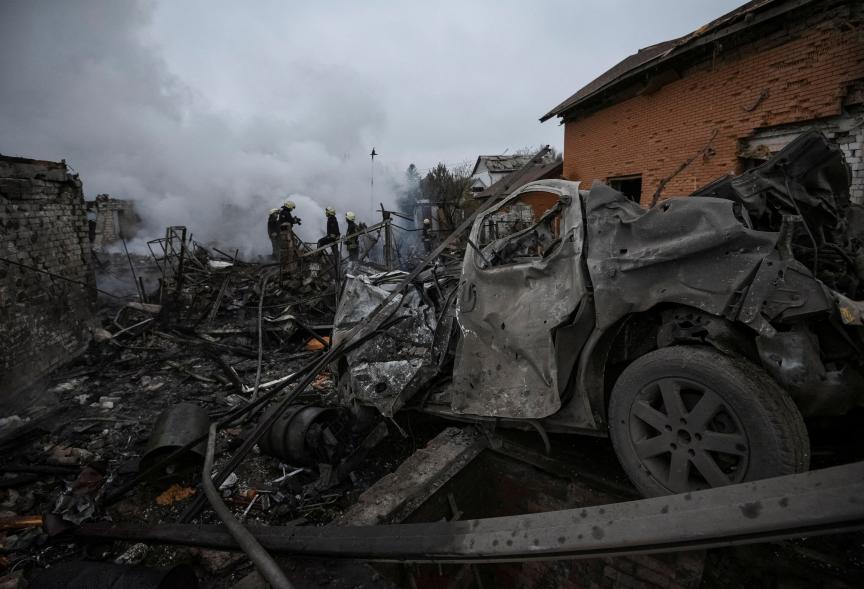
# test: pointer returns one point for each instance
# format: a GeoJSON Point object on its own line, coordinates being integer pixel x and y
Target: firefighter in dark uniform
{"type": "Point", "coordinates": [287, 247]}
{"type": "Point", "coordinates": [286, 217]}
{"type": "Point", "coordinates": [427, 235]}
{"type": "Point", "coordinates": [352, 243]}
{"type": "Point", "coordinates": [332, 236]}
{"type": "Point", "coordinates": [333, 232]}
{"type": "Point", "coordinates": [273, 231]}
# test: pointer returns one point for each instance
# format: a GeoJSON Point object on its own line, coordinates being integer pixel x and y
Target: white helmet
{"type": "Point", "coordinates": [426, 221]}
{"type": "Point", "coordinates": [329, 211]}
{"type": "Point", "coordinates": [274, 211]}
{"type": "Point", "coordinates": [289, 204]}
{"type": "Point", "coordinates": [350, 216]}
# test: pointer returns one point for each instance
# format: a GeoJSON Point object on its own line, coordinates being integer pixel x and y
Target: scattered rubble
{"type": "Point", "coordinates": [253, 388]}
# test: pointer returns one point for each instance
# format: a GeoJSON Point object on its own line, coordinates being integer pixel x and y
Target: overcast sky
{"type": "Point", "coordinates": [210, 112]}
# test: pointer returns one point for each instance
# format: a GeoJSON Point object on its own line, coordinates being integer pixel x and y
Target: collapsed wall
{"type": "Point", "coordinates": [43, 319]}
{"type": "Point", "coordinates": [111, 219]}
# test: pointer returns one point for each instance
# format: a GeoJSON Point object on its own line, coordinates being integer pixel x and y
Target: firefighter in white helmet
{"type": "Point", "coordinates": [287, 220]}
{"type": "Point", "coordinates": [332, 236]}
{"type": "Point", "coordinates": [333, 232]}
{"type": "Point", "coordinates": [352, 243]}
{"type": "Point", "coordinates": [285, 238]}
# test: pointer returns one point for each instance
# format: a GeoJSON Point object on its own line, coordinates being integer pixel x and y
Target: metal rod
{"type": "Point", "coordinates": [812, 503]}
{"type": "Point", "coordinates": [180, 261]}
{"type": "Point", "coordinates": [132, 269]}
{"type": "Point", "coordinates": [260, 336]}
{"type": "Point", "coordinates": [253, 549]}
{"type": "Point", "coordinates": [72, 280]}
{"type": "Point", "coordinates": [388, 245]}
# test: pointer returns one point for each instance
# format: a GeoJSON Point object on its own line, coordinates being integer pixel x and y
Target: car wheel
{"type": "Point", "coordinates": [687, 418]}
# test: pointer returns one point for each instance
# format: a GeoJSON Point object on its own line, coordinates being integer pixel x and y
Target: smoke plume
{"type": "Point", "coordinates": [83, 82]}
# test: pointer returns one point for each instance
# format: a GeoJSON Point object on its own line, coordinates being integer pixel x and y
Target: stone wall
{"type": "Point", "coordinates": [43, 319]}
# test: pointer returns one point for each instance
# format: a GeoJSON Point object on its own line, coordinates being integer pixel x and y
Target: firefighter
{"type": "Point", "coordinates": [287, 220]}
{"type": "Point", "coordinates": [427, 235]}
{"type": "Point", "coordinates": [333, 232]}
{"type": "Point", "coordinates": [273, 231]}
{"type": "Point", "coordinates": [287, 247]}
{"type": "Point", "coordinates": [352, 243]}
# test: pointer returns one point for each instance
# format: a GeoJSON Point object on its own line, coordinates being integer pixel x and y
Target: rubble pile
{"type": "Point", "coordinates": [208, 346]}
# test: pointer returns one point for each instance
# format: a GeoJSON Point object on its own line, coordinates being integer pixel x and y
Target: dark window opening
{"type": "Point", "coordinates": [629, 186]}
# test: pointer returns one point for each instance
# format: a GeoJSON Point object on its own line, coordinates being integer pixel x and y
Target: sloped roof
{"type": "Point", "coordinates": [501, 163]}
{"type": "Point", "coordinates": [523, 176]}
{"type": "Point", "coordinates": [741, 18]}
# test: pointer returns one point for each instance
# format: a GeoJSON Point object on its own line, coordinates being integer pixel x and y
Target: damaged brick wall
{"type": "Point", "coordinates": [43, 320]}
{"type": "Point", "coordinates": [847, 131]}
{"type": "Point", "coordinates": [808, 69]}
{"type": "Point", "coordinates": [115, 219]}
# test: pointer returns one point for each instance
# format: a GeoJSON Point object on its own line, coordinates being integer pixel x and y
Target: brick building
{"type": "Point", "coordinates": [43, 319]}
{"type": "Point", "coordinates": [679, 114]}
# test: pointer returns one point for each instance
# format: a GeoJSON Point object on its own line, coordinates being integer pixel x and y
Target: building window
{"type": "Point", "coordinates": [629, 186]}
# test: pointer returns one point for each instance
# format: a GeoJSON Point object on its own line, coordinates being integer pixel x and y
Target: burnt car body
{"type": "Point", "coordinates": [696, 333]}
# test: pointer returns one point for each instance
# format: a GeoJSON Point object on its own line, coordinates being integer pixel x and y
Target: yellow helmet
{"type": "Point", "coordinates": [289, 204]}
{"type": "Point", "coordinates": [350, 216]}
{"type": "Point", "coordinates": [274, 211]}
{"type": "Point", "coordinates": [329, 211]}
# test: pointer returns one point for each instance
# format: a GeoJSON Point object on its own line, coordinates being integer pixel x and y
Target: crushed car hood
{"type": "Point", "coordinates": [390, 366]}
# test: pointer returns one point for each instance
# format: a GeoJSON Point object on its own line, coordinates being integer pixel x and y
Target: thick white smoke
{"type": "Point", "coordinates": [81, 82]}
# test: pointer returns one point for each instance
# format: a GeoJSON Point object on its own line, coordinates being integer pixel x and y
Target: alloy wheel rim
{"type": "Point", "coordinates": [686, 435]}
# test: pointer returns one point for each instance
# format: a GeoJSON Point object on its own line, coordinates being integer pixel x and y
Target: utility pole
{"type": "Point", "coordinates": [388, 239]}
{"type": "Point", "coordinates": [372, 182]}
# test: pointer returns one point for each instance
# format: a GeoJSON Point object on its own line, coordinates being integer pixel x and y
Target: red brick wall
{"type": "Point", "coordinates": [805, 70]}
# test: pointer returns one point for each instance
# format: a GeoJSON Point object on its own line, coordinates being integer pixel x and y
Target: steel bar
{"type": "Point", "coordinates": [132, 269]}
{"type": "Point", "coordinates": [58, 276]}
{"type": "Point", "coordinates": [813, 503]}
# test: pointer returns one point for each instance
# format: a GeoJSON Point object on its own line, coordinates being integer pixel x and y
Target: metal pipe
{"type": "Point", "coordinates": [247, 542]}
{"type": "Point", "coordinates": [263, 284]}
{"type": "Point", "coordinates": [812, 503]}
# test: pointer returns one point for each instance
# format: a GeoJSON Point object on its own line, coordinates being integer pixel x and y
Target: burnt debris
{"type": "Point", "coordinates": [225, 403]}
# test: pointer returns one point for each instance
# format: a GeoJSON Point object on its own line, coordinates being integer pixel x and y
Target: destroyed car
{"type": "Point", "coordinates": [697, 334]}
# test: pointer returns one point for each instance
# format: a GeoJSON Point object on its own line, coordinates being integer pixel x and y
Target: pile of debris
{"type": "Point", "coordinates": [220, 342]}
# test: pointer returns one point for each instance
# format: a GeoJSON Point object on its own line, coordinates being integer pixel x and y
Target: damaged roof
{"type": "Point", "coordinates": [501, 163]}
{"type": "Point", "coordinates": [527, 173]}
{"type": "Point", "coordinates": [743, 17]}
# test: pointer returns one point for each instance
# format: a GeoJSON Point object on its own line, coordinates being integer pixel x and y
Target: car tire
{"type": "Point", "coordinates": [686, 418]}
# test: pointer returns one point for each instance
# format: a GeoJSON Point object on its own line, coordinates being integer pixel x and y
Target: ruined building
{"type": "Point", "coordinates": [43, 319]}
{"type": "Point", "coordinates": [679, 114]}
{"type": "Point", "coordinates": [110, 220]}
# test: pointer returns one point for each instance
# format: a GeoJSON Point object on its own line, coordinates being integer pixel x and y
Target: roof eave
{"type": "Point", "coordinates": [690, 43]}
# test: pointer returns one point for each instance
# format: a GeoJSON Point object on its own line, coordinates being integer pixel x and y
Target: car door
{"type": "Point", "coordinates": [521, 278]}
